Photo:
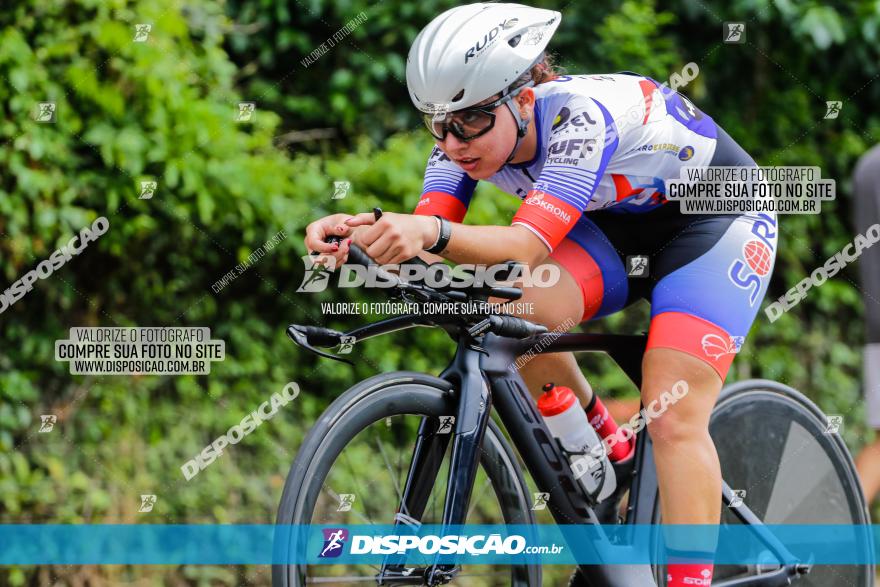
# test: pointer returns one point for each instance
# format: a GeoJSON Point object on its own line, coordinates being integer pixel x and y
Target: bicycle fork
{"type": "Point", "coordinates": [466, 433]}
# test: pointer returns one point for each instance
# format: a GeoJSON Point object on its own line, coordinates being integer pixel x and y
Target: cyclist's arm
{"type": "Point", "coordinates": [430, 257]}
{"type": "Point", "coordinates": [487, 245]}
{"type": "Point", "coordinates": [447, 193]}
{"type": "Point", "coordinates": [577, 156]}
{"type": "Point", "coordinates": [468, 243]}
{"type": "Point", "coordinates": [447, 190]}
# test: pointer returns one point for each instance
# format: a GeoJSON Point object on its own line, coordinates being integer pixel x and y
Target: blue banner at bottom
{"type": "Point", "coordinates": [471, 544]}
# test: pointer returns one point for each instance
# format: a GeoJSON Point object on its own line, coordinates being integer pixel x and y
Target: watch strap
{"type": "Point", "coordinates": [443, 236]}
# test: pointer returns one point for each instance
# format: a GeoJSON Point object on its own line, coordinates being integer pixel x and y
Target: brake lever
{"type": "Point", "coordinates": [300, 339]}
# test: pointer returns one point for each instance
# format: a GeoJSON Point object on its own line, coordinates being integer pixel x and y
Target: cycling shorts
{"type": "Point", "coordinates": [704, 275]}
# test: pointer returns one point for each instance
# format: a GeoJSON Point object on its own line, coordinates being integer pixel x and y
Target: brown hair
{"type": "Point", "coordinates": [543, 71]}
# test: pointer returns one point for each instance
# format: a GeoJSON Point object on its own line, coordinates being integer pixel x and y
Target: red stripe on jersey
{"type": "Point", "coordinates": [586, 273]}
{"type": "Point", "coordinates": [623, 187]}
{"type": "Point", "coordinates": [441, 204]}
{"type": "Point", "coordinates": [648, 88]}
{"type": "Point", "coordinates": [697, 337]}
{"type": "Point", "coordinates": [551, 217]}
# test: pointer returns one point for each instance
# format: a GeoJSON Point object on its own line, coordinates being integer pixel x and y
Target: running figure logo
{"type": "Point", "coordinates": [637, 266]}
{"type": "Point", "coordinates": [246, 111]}
{"type": "Point", "coordinates": [147, 503]}
{"type": "Point", "coordinates": [334, 539]}
{"type": "Point", "coordinates": [739, 495]}
{"type": "Point", "coordinates": [446, 424]}
{"type": "Point", "coordinates": [734, 32]}
{"type": "Point", "coordinates": [345, 344]}
{"type": "Point", "coordinates": [833, 109]}
{"type": "Point", "coordinates": [340, 189]}
{"type": "Point", "coordinates": [148, 188]}
{"type": "Point", "coordinates": [541, 500]}
{"type": "Point", "coordinates": [47, 422]}
{"type": "Point", "coordinates": [835, 423]}
{"type": "Point", "coordinates": [345, 502]}
{"type": "Point", "coordinates": [316, 276]}
{"type": "Point", "coordinates": [142, 32]}
{"type": "Point", "coordinates": [45, 112]}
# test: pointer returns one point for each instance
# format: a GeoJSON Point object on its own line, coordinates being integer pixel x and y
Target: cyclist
{"type": "Point", "coordinates": [588, 155]}
{"type": "Point", "coordinates": [866, 214]}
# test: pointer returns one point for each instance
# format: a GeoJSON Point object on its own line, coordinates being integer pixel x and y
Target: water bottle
{"type": "Point", "coordinates": [568, 422]}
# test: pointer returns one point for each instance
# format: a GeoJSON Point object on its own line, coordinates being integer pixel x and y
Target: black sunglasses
{"type": "Point", "coordinates": [469, 123]}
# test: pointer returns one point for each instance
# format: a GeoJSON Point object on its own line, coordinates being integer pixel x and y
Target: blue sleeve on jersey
{"type": "Point", "coordinates": [579, 152]}
{"type": "Point", "coordinates": [447, 189]}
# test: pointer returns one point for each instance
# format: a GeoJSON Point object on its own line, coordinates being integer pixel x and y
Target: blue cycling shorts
{"type": "Point", "coordinates": [704, 275]}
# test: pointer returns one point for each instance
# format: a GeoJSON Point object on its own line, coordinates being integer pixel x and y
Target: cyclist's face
{"type": "Point", "coordinates": [483, 156]}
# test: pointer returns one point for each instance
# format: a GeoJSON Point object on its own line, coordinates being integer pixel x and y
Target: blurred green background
{"type": "Point", "coordinates": [166, 108]}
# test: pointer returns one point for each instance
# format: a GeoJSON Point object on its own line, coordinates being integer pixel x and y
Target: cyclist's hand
{"type": "Point", "coordinates": [394, 238]}
{"type": "Point", "coordinates": [318, 231]}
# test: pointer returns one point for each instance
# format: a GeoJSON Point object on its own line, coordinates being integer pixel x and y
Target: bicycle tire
{"type": "Point", "coordinates": [748, 406]}
{"type": "Point", "coordinates": [371, 401]}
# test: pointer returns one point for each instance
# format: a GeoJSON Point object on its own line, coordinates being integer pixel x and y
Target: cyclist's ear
{"type": "Point", "coordinates": [525, 101]}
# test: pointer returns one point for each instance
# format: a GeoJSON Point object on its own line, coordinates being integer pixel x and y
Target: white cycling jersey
{"type": "Point", "coordinates": [604, 141]}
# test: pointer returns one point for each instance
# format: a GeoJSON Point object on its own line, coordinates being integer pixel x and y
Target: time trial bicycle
{"type": "Point", "coordinates": [385, 450]}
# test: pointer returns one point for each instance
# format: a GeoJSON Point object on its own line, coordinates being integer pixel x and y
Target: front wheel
{"type": "Point", "coordinates": [353, 466]}
{"type": "Point", "coordinates": [775, 445]}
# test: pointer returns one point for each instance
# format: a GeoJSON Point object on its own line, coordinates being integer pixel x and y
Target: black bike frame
{"type": "Point", "coordinates": [485, 375]}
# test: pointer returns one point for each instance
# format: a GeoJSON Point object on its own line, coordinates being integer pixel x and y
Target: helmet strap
{"type": "Point", "coordinates": [522, 128]}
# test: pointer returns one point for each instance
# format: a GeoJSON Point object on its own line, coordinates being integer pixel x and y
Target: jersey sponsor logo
{"type": "Point", "coordinates": [716, 346]}
{"type": "Point", "coordinates": [439, 155]}
{"type": "Point", "coordinates": [686, 153]}
{"type": "Point", "coordinates": [423, 202]}
{"type": "Point", "coordinates": [668, 148]}
{"type": "Point", "coordinates": [561, 118]}
{"type": "Point", "coordinates": [537, 199]}
{"type": "Point", "coordinates": [706, 578]}
{"type": "Point", "coordinates": [757, 256]}
{"type": "Point", "coordinates": [746, 273]}
{"type": "Point", "coordinates": [488, 39]}
{"type": "Point", "coordinates": [756, 260]}
{"type": "Point", "coordinates": [571, 151]}
{"type": "Point", "coordinates": [578, 120]}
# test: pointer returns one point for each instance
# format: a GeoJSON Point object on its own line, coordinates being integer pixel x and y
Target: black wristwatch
{"type": "Point", "coordinates": [443, 237]}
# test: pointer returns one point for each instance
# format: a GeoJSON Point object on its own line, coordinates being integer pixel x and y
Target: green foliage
{"type": "Point", "coordinates": [633, 37]}
{"type": "Point", "coordinates": [357, 88]}
{"type": "Point", "coordinates": [166, 109]}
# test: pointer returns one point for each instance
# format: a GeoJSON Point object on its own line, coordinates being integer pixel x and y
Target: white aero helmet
{"type": "Point", "coordinates": [472, 52]}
